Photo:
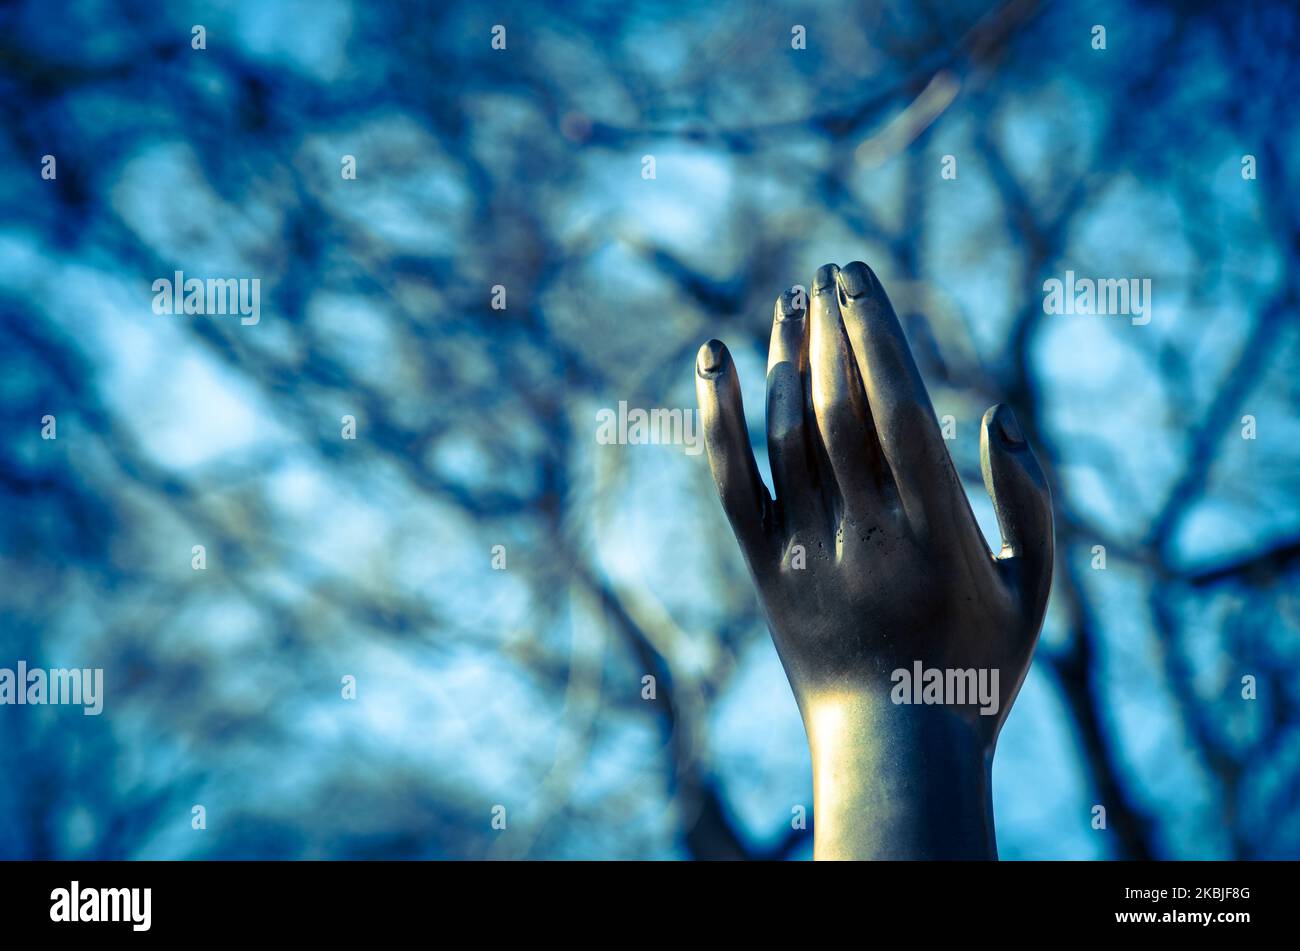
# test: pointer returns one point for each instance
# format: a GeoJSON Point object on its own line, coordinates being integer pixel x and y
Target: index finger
{"type": "Point", "coordinates": [906, 427]}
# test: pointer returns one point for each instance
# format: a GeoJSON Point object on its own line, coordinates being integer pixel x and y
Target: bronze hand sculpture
{"type": "Point", "coordinates": [873, 573]}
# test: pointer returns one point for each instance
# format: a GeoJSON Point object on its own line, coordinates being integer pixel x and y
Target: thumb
{"type": "Point", "coordinates": [1022, 501]}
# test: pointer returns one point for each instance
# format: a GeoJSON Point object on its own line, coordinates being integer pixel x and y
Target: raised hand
{"type": "Point", "coordinates": [869, 563]}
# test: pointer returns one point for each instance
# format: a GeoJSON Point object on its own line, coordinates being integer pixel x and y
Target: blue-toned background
{"type": "Point", "coordinates": [476, 427]}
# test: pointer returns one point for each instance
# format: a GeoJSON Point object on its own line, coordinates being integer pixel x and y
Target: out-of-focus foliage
{"type": "Point", "coordinates": [476, 427]}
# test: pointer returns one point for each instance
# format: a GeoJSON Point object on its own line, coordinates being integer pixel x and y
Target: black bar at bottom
{"type": "Point", "coordinates": [329, 900]}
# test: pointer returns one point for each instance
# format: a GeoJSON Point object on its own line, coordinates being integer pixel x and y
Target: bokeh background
{"type": "Point", "coordinates": [476, 427]}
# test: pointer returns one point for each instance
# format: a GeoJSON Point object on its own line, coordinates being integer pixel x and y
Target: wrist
{"type": "Point", "coordinates": [894, 781]}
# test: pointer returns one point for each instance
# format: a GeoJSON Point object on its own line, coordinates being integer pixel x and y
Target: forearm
{"type": "Point", "coordinates": [898, 782]}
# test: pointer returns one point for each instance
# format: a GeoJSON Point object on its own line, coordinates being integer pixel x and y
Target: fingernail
{"type": "Point", "coordinates": [855, 279]}
{"type": "Point", "coordinates": [825, 278]}
{"type": "Point", "coordinates": [1011, 433]}
{"type": "Point", "coordinates": [710, 357]}
{"type": "Point", "coordinates": [786, 309]}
